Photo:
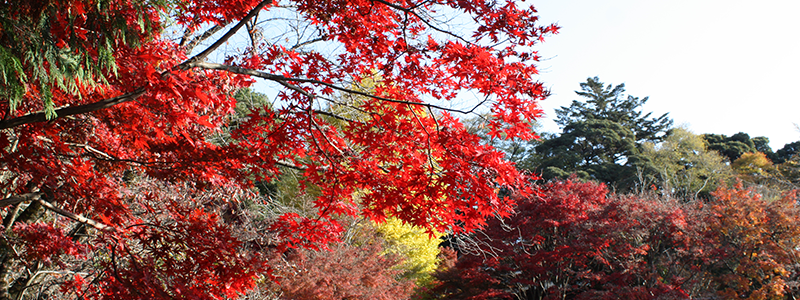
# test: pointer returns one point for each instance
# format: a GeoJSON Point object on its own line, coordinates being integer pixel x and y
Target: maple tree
{"type": "Point", "coordinates": [751, 243]}
{"type": "Point", "coordinates": [573, 241]}
{"type": "Point", "coordinates": [356, 269]}
{"type": "Point", "coordinates": [96, 92]}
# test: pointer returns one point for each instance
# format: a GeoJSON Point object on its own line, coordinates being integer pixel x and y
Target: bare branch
{"type": "Point", "coordinates": [73, 110]}
{"type": "Point", "coordinates": [190, 44]}
{"type": "Point", "coordinates": [290, 165]}
{"type": "Point", "coordinates": [20, 198]}
{"type": "Point", "coordinates": [79, 218]}
{"type": "Point", "coordinates": [411, 11]}
{"type": "Point", "coordinates": [185, 38]}
{"type": "Point", "coordinates": [308, 42]}
{"type": "Point", "coordinates": [202, 55]}
{"type": "Point", "coordinates": [335, 116]}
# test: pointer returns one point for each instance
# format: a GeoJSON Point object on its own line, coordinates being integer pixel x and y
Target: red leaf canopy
{"type": "Point", "coordinates": [97, 89]}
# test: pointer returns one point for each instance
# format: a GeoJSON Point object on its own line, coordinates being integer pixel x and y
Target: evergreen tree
{"type": "Point", "coordinates": [609, 103]}
{"type": "Point", "coordinates": [734, 146]}
{"type": "Point", "coordinates": [599, 136]}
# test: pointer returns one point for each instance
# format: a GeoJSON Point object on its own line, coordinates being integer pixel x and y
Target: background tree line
{"type": "Point", "coordinates": [606, 137]}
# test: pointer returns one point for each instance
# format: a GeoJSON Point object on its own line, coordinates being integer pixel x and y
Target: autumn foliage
{"type": "Point", "coordinates": [99, 96]}
{"type": "Point", "coordinates": [752, 243]}
{"type": "Point", "coordinates": [575, 240]}
{"type": "Point", "coordinates": [358, 269]}
{"type": "Point", "coordinates": [130, 168]}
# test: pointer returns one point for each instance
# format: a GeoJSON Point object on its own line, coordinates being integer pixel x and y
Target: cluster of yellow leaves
{"type": "Point", "coordinates": [419, 249]}
{"type": "Point", "coordinates": [753, 164]}
{"type": "Point", "coordinates": [769, 179]}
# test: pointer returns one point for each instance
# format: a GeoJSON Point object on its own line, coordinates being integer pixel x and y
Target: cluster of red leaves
{"type": "Point", "coordinates": [175, 247]}
{"type": "Point", "coordinates": [576, 241]}
{"type": "Point", "coordinates": [401, 150]}
{"type": "Point", "coordinates": [44, 243]}
{"type": "Point", "coordinates": [347, 271]}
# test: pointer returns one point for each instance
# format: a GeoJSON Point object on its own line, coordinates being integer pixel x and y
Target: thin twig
{"type": "Point", "coordinates": [189, 46]}
{"type": "Point", "coordinates": [282, 80]}
{"type": "Point", "coordinates": [20, 198]}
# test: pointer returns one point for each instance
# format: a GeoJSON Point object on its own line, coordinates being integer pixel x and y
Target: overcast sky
{"type": "Point", "coordinates": [715, 66]}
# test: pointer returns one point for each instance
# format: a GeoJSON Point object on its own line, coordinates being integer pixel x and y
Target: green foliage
{"type": "Point", "coordinates": [47, 47]}
{"type": "Point", "coordinates": [734, 146]}
{"type": "Point", "coordinates": [249, 101]}
{"type": "Point", "coordinates": [599, 136]}
{"type": "Point", "coordinates": [609, 103]}
{"type": "Point", "coordinates": [788, 152]}
{"type": "Point", "coordinates": [515, 150]}
{"type": "Point", "coordinates": [789, 172]}
{"type": "Point", "coordinates": [681, 166]}
{"type": "Point", "coordinates": [348, 106]}
{"type": "Point", "coordinates": [13, 78]}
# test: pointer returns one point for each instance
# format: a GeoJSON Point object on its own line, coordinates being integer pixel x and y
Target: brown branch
{"type": "Point", "coordinates": [190, 44]}
{"type": "Point", "coordinates": [78, 218]}
{"type": "Point", "coordinates": [290, 165]}
{"type": "Point", "coordinates": [73, 110]}
{"type": "Point", "coordinates": [335, 116]}
{"type": "Point", "coordinates": [20, 198]}
{"type": "Point", "coordinates": [283, 80]}
{"type": "Point", "coordinates": [308, 42]}
{"type": "Point", "coordinates": [202, 55]}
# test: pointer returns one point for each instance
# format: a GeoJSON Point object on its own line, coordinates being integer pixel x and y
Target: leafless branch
{"type": "Point", "coordinates": [202, 55]}
{"type": "Point", "coordinates": [78, 218]}
{"type": "Point", "coordinates": [190, 44]}
{"type": "Point", "coordinates": [73, 110]}
{"type": "Point", "coordinates": [332, 115]}
{"type": "Point", "coordinates": [412, 12]}
{"type": "Point", "coordinates": [308, 42]}
{"type": "Point", "coordinates": [20, 198]}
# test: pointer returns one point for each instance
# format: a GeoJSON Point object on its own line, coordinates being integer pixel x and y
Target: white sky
{"type": "Point", "coordinates": [715, 66]}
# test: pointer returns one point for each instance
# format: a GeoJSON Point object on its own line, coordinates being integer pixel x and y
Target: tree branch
{"type": "Point", "coordinates": [202, 55]}
{"type": "Point", "coordinates": [79, 218]}
{"type": "Point", "coordinates": [73, 110]}
{"type": "Point", "coordinates": [190, 44]}
{"type": "Point", "coordinates": [412, 12]}
{"type": "Point", "coordinates": [20, 198]}
{"type": "Point", "coordinates": [283, 80]}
